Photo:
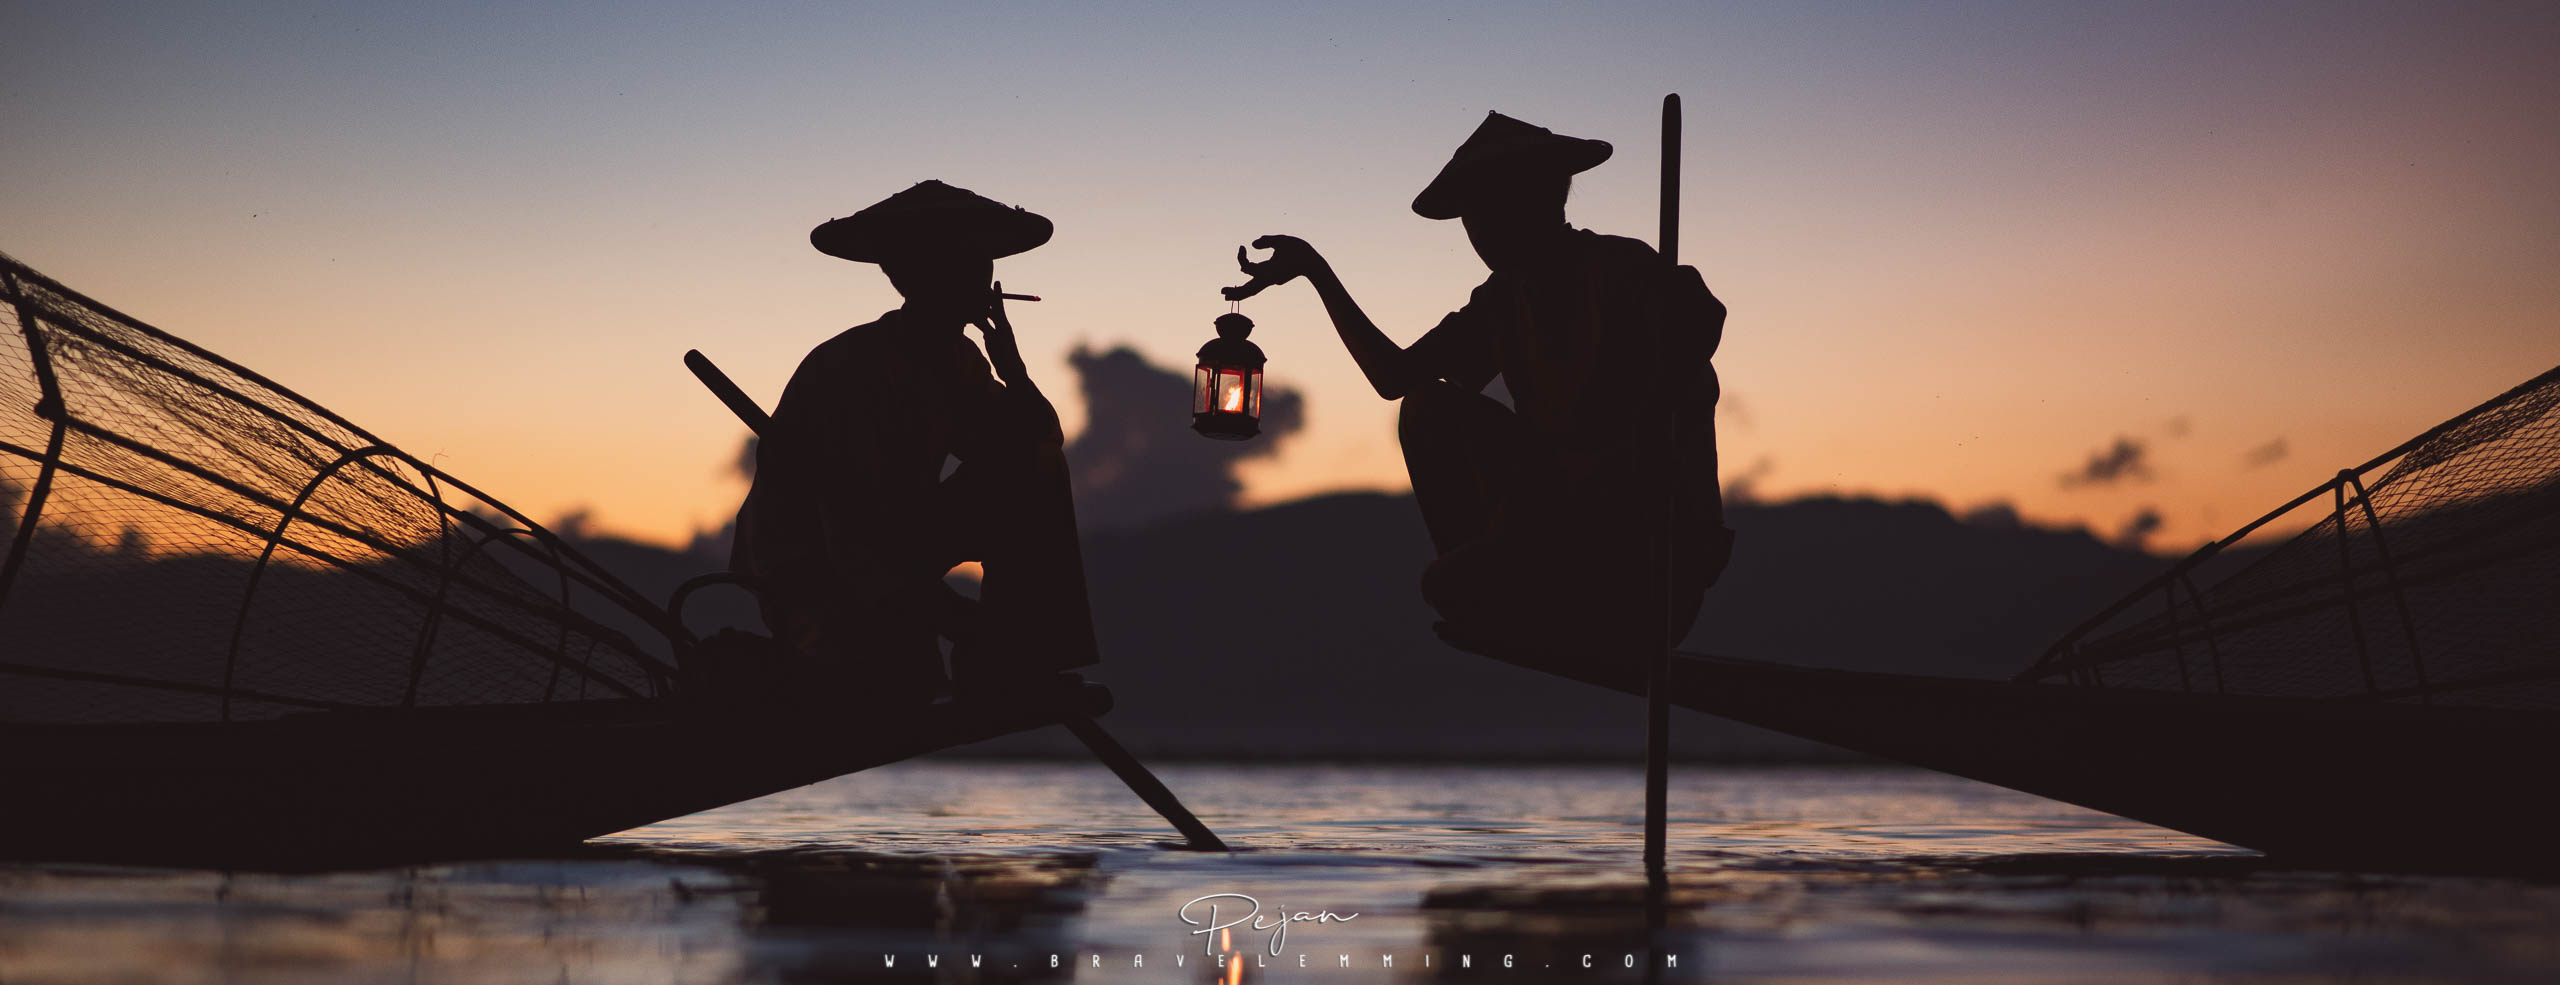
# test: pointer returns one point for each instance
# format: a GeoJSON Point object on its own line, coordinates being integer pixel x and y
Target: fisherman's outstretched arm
{"type": "Point", "coordinates": [1391, 371]}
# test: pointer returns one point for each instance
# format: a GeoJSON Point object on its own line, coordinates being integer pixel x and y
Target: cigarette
{"type": "Point", "coordinates": [1019, 297]}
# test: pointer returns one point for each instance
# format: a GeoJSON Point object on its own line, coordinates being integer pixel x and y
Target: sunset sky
{"type": "Point", "coordinates": [1967, 246]}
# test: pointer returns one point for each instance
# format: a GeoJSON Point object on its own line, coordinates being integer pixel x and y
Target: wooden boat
{"type": "Point", "coordinates": [236, 629]}
{"type": "Point", "coordinates": [2358, 785]}
{"type": "Point", "coordinates": [345, 789]}
{"type": "Point", "coordinates": [2378, 690]}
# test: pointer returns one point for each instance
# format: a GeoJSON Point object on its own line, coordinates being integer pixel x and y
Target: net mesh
{"type": "Point", "coordinates": [188, 542]}
{"type": "Point", "coordinates": [2437, 582]}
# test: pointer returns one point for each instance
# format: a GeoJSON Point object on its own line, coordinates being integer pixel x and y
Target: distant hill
{"type": "Point", "coordinates": [1298, 630]}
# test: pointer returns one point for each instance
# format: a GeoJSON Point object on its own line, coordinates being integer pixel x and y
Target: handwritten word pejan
{"type": "Point", "coordinates": [1277, 923]}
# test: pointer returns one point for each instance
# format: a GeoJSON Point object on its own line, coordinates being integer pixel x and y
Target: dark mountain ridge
{"type": "Point", "coordinates": [1298, 630]}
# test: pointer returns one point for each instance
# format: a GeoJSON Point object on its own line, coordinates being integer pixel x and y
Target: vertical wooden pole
{"type": "Point", "coordinates": [1671, 177]}
{"type": "Point", "coordinates": [1657, 698]}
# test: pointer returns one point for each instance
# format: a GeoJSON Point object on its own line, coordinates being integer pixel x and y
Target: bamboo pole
{"type": "Point", "coordinates": [1657, 698]}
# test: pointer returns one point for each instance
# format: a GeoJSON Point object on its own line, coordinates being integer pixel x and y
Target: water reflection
{"type": "Point", "coordinates": [600, 921]}
{"type": "Point", "coordinates": [1801, 875]}
{"type": "Point", "coordinates": [1590, 929]}
{"type": "Point", "coordinates": [616, 916]}
{"type": "Point", "coordinates": [831, 916]}
{"type": "Point", "coordinates": [2069, 916]}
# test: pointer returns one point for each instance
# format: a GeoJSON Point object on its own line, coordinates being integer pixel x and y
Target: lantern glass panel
{"type": "Point", "coordinates": [1253, 395]}
{"type": "Point", "coordinates": [1231, 391]}
{"type": "Point", "coordinates": [1200, 390]}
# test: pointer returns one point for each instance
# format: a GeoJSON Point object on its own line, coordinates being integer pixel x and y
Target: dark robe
{"type": "Point", "coordinates": [1548, 516]}
{"type": "Point", "coordinates": [851, 524]}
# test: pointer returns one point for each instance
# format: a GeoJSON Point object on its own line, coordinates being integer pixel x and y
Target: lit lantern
{"type": "Point", "coordinates": [1226, 391]}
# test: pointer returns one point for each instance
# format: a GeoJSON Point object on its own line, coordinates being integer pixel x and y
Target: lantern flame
{"type": "Point", "coordinates": [1234, 400]}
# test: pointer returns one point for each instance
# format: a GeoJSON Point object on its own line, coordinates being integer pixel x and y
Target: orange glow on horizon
{"type": "Point", "coordinates": [1962, 249]}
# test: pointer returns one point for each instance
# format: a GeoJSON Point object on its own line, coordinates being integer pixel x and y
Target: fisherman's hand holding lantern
{"type": "Point", "coordinates": [1226, 389]}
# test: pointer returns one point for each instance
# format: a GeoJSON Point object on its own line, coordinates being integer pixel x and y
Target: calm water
{"type": "Point", "coordinates": [1802, 875]}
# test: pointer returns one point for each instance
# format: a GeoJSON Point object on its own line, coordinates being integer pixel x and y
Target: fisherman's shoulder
{"type": "Point", "coordinates": [849, 349]}
{"type": "Point", "coordinates": [832, 371]}
{"type": "Point", "coordinates": [1498, 291]}
{"type": "Point", "coordinates": [1616, 250]}
{"type": "Point", "coordinates": [1636, 264]}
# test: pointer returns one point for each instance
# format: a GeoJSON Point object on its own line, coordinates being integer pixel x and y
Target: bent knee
{"type": "Point", "coordinates": [1438, 592]}
{"type": "Point", "coordinates": [1433, 406]}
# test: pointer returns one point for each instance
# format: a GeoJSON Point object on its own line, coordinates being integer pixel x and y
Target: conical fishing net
{"type": "Point", "coordinates": [2432, 575]}
{"type": "Point", "coordinates": [188, 542]}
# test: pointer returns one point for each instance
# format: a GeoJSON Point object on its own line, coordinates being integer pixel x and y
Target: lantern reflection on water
{"type": "Point", "coordinates": [1226, 389]}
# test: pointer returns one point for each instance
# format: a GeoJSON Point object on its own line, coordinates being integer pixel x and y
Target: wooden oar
{"type": "Point", "coordinates": [737, 400]}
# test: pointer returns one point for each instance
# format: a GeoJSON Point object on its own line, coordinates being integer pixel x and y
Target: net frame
{"type": "Point", "coordinates": [187, 540]}
{"type": "Point", "coordinates": [2433, 578]}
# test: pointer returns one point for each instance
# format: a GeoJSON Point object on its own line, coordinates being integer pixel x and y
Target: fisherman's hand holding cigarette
{"type": "Point", "coordinates": [1004, 351]}
{"type": "Point", "coordinates": [1004, 354]}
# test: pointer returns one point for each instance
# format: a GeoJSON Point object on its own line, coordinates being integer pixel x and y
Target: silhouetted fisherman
{"type": "Point", "coordinates": [1546, 514]}
{"type": "Point", "coordinates": [851, 523]}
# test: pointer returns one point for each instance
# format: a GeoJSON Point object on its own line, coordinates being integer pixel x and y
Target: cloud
{"type": "Point", "coordinates": [2126, 460]}
{"type": "Point", "coordinates": [2177, 427]}
{"type": "Point", "coordinates": [1730, 410]}
{"type": "Point", "coordinates": [1744, 487]}
{"type": "Point", "coordinates": [2136, 533]}
{"type": "Point", "coordinates": [2266, 454]}
{"type": "Point", "coordinates": [1138, 459]}
{"type": "Point", "coordinates": [574, 524]}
